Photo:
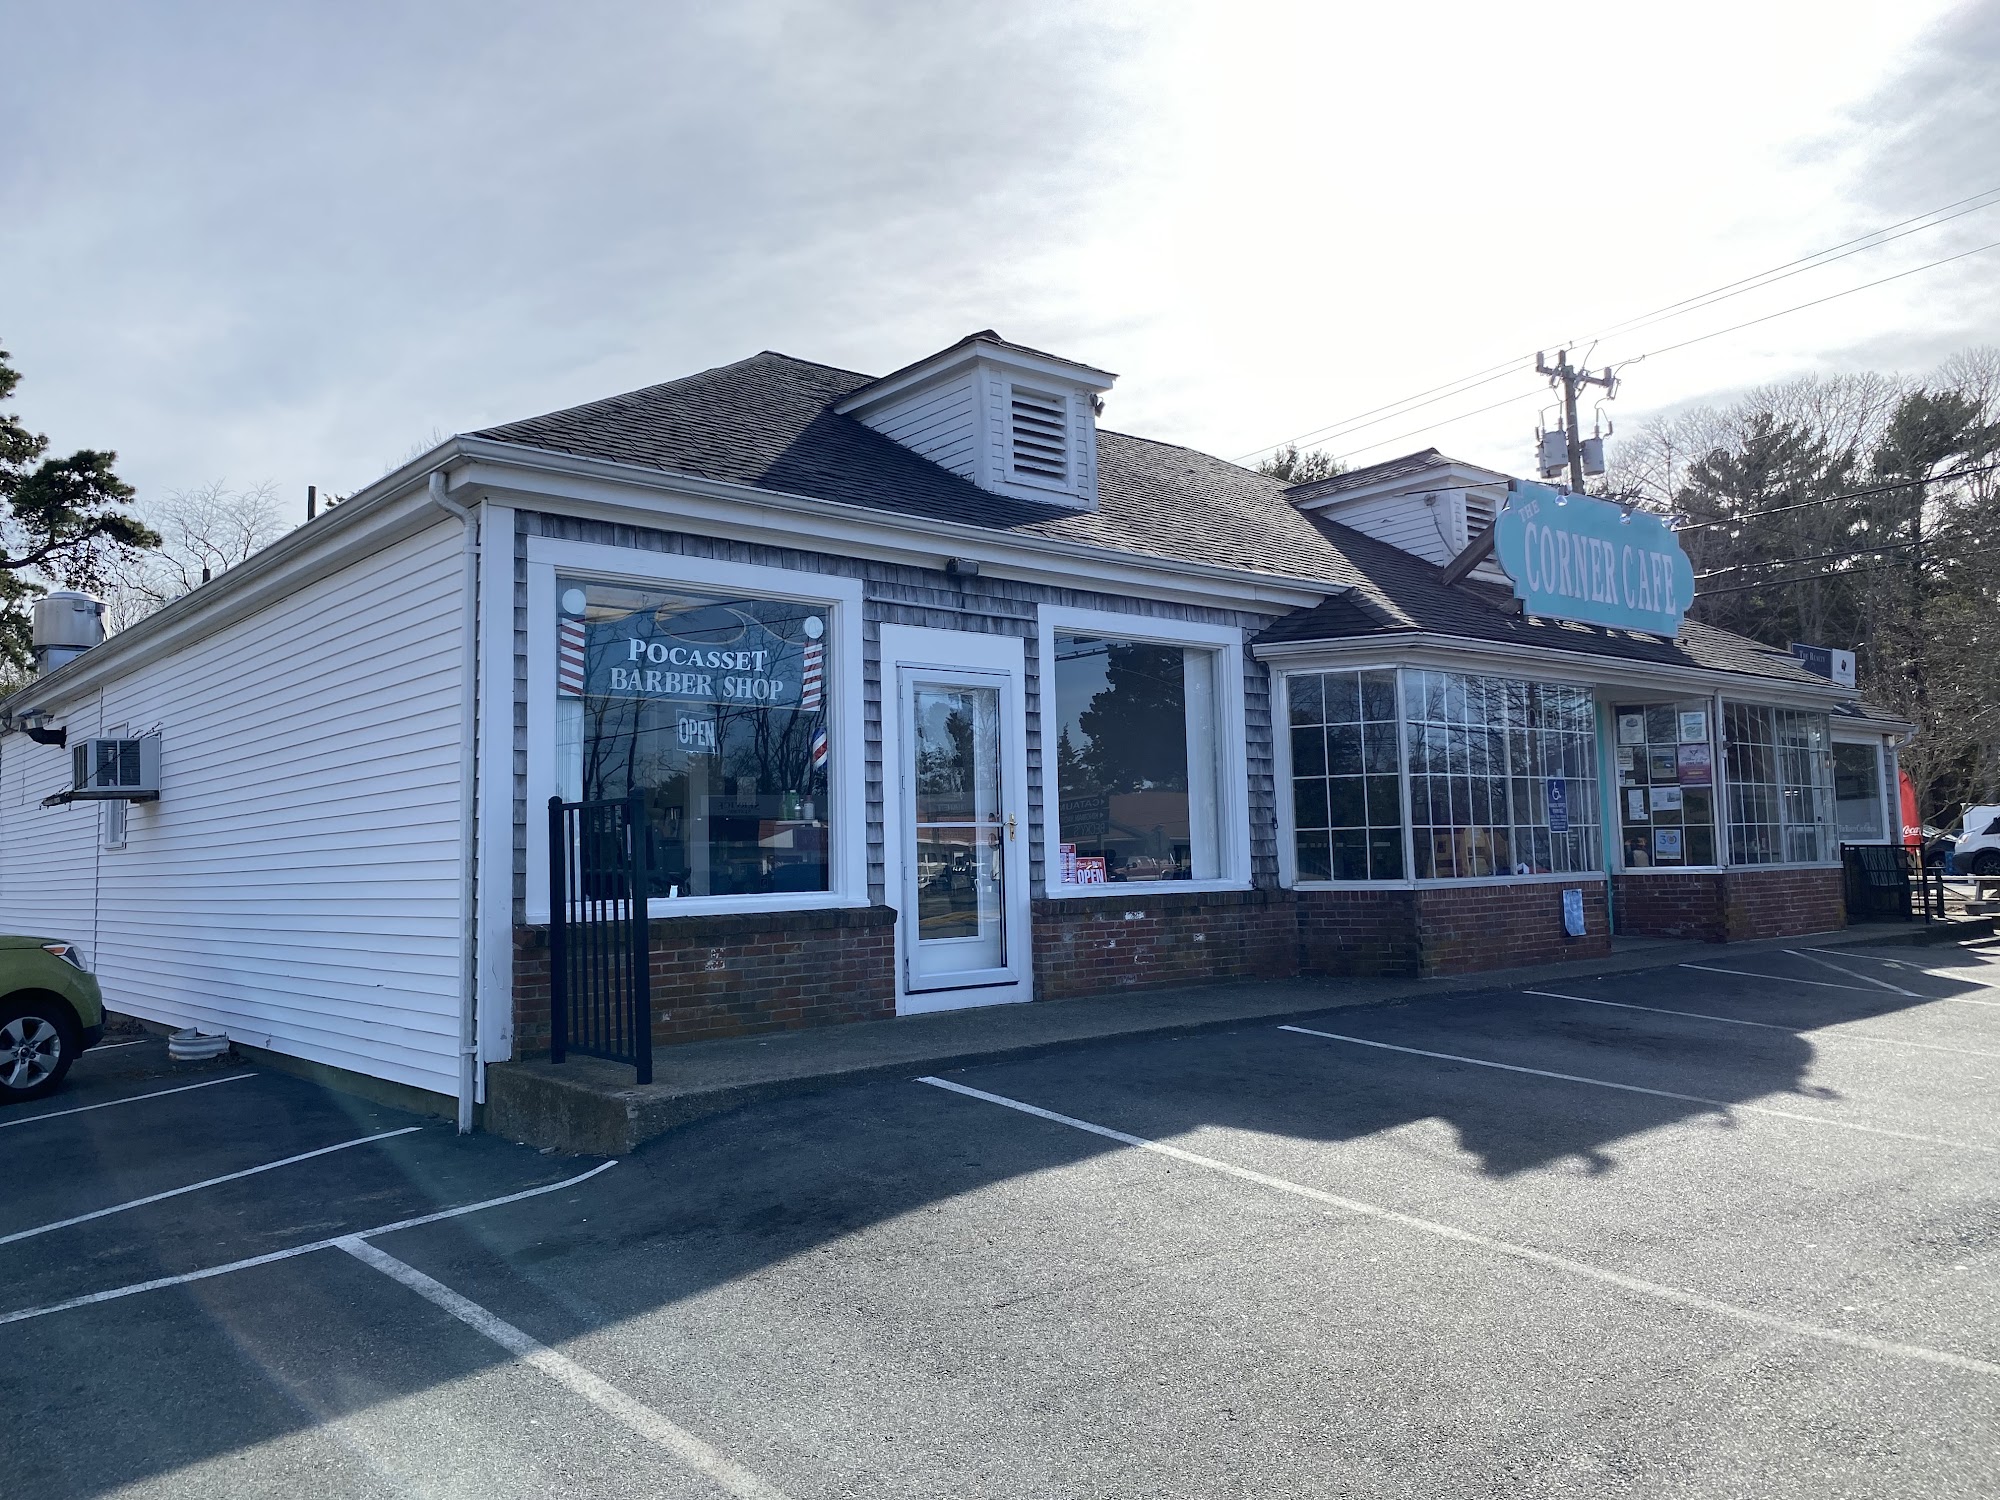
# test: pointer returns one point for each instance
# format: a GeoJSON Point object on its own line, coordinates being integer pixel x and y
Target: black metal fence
{"type": "Point", "coordinates": [1890, 883]}
{"type": "Point", "coordinates": [600, 988]}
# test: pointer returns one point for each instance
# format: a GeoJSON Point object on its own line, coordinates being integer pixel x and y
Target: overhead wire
{"type": "Point", "coordinates": [1878, 489]}
{"type": "Point", "coordinates": [1779, 583]}
{"type": "Point", "coordinates": [1874, 239]}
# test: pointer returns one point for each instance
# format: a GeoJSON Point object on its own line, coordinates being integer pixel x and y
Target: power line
{"type": "Point", "coordinates": [1880, 489]}
{"type": "Point", "coordinates": [1779, 583]}
{"type": "Point", "coordinates": [1817, 301]}
{"type": "Point", "coordinates": [1684, 343]}
{"type": "Point", "coordinates": [1464, 383]}
{"type": "Point", "coordinates": [1813, 262]}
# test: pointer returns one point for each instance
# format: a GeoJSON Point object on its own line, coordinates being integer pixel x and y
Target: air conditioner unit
{"type": "Point", "coordinates": [116, 770]}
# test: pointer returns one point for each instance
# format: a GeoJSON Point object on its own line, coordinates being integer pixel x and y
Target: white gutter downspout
{"type": "Point", "coordinates": [468, 979]}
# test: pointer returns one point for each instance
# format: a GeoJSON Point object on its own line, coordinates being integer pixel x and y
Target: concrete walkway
{"type": "Point", "coordinates": [589, 1106]}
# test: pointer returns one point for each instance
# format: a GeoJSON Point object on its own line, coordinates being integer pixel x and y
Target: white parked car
{"type": "Point", "coordinates": [1977, 851]}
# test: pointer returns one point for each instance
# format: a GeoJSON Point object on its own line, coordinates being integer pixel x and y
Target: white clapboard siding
{"type": "Point", "coordinates": [937, 422]}
{"type": "Point", "coordinates": [1429, 531]}
{"type": "Point", "coordinates": [296, 885]}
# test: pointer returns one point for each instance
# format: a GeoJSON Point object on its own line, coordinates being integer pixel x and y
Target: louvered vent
{"type": "Point", "coordinates": [1478, 516]}
{"type": "Point", "coordinates": [1040, 432]}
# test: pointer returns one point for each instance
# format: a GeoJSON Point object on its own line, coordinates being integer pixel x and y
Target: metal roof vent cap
{"type": "Point", "coordinates": [67, 624]}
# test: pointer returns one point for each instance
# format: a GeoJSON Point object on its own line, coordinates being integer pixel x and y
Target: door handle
{"type": "Point", "coordinates": [1010, 828]}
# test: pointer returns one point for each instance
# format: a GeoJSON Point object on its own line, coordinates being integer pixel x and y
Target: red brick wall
{"type": "Point", "coordinates": [1675, 905]}
{"type": "Point", "coordinates": [1463, 929]}
{"type": "Point", "coordinates": [1783, 903]}
{"type": "Point", "coordinates": [1730, 906]}
{"type": "Point", "coordinates": [1358, 932]}
{"type": "Point", "coordinates": [733, 975]}
{"type": "Point", "coordinates": [1090, 945]}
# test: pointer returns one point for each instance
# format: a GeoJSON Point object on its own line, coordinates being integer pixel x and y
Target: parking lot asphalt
{"type": "Point", "coordinates": [1680, 1232]}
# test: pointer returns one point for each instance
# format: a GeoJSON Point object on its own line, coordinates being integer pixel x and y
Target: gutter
{"type": "Point", "coordinates": [468, 745]}
{"type": "Point", "coordinates": [1588, 665]}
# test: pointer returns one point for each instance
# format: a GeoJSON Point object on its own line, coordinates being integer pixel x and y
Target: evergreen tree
{"type": "Point", "coordinates": [61, 519]}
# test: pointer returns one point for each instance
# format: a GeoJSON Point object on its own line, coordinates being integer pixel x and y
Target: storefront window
{"type": "Point", "coordinates": [1666, 782]}
{"type": "Point", "coordinates": [1857, 792]}
{"type": "Point", "coordinates": [1503, 776]}
{"type": "Point", "coordinates": [1780, 774]}
{"type": "Point", "coordinates": [1347, 792]}
{"type": "Point", "coordinates": [715, 709]}
{"type": "Point", "coordinates": [1136, 756]}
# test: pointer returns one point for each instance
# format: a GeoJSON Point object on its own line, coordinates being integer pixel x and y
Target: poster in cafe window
{"type": "Point", "coordinates": [1694, 765]}
{"type": "Point", "coordinates": [1694, 726]}
{"type": "Point", "coordinates": [1632, 729]}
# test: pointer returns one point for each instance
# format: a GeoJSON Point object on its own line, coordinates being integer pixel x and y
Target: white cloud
{"type": "Point", "coordinates": [256, 242]}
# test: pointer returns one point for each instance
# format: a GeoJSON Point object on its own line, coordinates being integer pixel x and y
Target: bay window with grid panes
{"type": "Point", "coordinates": [1780, 785]}
{"type": "Point", "coordinates": [1665, 759]}
{"type": "Point", "coordinates": [1347, 793]}
{"type": "Point", "coordinates": [1503, 776]}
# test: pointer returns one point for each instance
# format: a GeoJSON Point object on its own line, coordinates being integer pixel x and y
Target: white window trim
{"type": "Point", "coordinates": [841, 598]}
{"type": "Point", "coordinates": [1723, 827]}
{"type": "Point", "coordinates": [1613, 831]}
{"type": "Point", "coordinates": [1232, 791]}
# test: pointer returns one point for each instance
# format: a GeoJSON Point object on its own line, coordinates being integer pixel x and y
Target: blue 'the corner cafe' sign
{"type": "Point", "coordinates": [1575, 558]}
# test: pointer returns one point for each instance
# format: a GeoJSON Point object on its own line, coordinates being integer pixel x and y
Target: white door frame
{"type": "Point", "coordinates": [949, 651]}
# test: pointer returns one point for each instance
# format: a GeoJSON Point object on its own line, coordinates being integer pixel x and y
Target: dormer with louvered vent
{"type": "Point", "coordinates": [1424, 503]}
{"type": "Point", "coordinates": [1011, 419]}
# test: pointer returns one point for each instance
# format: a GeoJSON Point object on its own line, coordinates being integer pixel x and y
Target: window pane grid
{"type": "Point", "coordinates": [1666, 783]}
{"type": "Point", "coordinates": [1485, 756]}
{"type": "Point", "coordinates": [1780, 803]}
{"type": "Point", "coordinates": [1347, 796]}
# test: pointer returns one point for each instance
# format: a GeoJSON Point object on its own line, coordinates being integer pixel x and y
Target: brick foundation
{"type": "Point", "coordinates": [733, 975]}
{"type": "Point", "coordinates": [1463, 929]}
{"type": "Point", "coordinates": [1729, 906]}
{"type": "Point", "coordinates": [1092, 944]}
{"type": "Point", "coordinates": [1446, 929]}
{"type": "Point", "coordinates": [1354, 933]}
{"type": "Point", "coordinates": [737, 975]}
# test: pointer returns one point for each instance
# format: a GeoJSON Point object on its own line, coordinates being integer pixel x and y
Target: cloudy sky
{"type": "Point", "coordinates": [248, 242]}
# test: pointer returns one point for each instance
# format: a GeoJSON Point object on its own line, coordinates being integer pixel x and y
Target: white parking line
{"type": "Point", "coordinates": [114, 1046]}
{"type": "Point", "coordinates": [1818, 984]}
{"type": "Point", "coordinates": [1914, 968]}
{"type": "Point", "coordinates": [84, 1109]}
{"type": "Point", "coordinates": [1451, 1232]}
{"type": "Point", "coordinates": [1817, 1033]}
{"type": "Point", "coordinates": [195, 1187]}
{"type": "Point", "coordinates": [1632, 1088]}
{"type": "Point", "coordinates": [1850, 974]}
{"type": "Point", "coordinates": [649, 1424]}
{"type": "Point", "coordinates": [133, 1289]}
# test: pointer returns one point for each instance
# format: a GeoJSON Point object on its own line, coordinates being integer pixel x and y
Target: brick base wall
{"type": "Point", "coordinates": [1783, 903]}
{"type": "Point", "coordinates": [1730, 906]}
{"type": "Point", "coordinates": [1089, 945]}
{"type": "Point", "coordinates": [734, 975]}
{"type": "Point", "coordinates": [1463, 929]}
{"type": "Point", "coordinates": [1671, 906]}
{"type": "Point", "coordinates": [1352, 933]}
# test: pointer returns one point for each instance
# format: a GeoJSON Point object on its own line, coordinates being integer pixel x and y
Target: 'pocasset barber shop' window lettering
{"type": "Point", "coordinates": [715, 709]}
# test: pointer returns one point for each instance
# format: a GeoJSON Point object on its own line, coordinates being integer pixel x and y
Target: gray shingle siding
{"type": "Point", "coordinates": [897, 595]}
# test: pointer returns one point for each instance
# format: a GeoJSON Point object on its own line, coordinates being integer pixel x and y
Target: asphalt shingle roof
{"type": "Point", "coordinates": [768, 421]}
{"type": "Point", "coordinates": [1399, 593]}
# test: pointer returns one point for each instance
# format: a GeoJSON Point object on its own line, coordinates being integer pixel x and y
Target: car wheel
{"type": "Point", "coordinates": [1986, 862]}
{"type": "Point", "coordinates": [38, 1042]}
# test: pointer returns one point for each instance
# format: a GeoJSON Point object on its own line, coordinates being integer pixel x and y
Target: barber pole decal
{"type": "Point", "coordinates": [569, 657]}
{"type": "Point", "coordinates": [819, 748]}
{"type": "Point", "coordinates": [809, 683]}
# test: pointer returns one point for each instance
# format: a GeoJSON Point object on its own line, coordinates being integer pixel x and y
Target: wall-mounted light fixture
{"type": "Point", "coordinates": [961, 567]}
{"type": "Point", "coordinates": [34, 723]}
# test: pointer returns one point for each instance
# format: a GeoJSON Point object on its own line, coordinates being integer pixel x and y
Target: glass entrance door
{"type": "Point", "coordinates": [962, 821]}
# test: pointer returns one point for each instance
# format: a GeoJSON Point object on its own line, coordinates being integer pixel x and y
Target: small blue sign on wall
{"type": "Point", "coordinates": [1575, 558]}
{"type": "Point", "coordinates": [1558, 805]}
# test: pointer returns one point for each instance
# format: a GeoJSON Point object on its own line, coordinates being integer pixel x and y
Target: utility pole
{"type": "Point", "coordinates": [1571, 379]}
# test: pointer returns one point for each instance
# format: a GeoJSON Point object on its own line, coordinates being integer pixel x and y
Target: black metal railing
{"type": "Point", "coordinates": [1890, 883]}
{"type": "Point", "coordinates": [600, 988]}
